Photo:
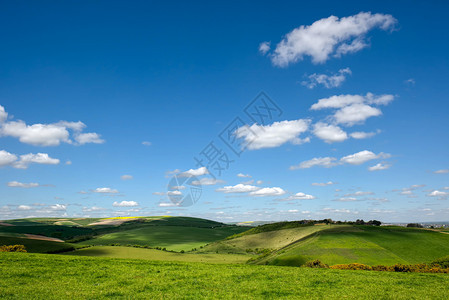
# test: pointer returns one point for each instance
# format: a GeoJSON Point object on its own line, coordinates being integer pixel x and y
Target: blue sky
{"type": "Point", "coordinates": [90, 92]}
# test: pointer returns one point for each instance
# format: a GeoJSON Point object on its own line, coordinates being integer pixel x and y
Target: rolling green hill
{"type": "Point", "coordinates": [261, 239]}
{"type": "Point", "coordinates": [159, 255]}
{"type": "Point", "coordinates": [40, 276]}
{"type": "Point", "coordinates": [172, 237]}
{"type": "Point", "coordinates": [369, 245]}
{"type": "Point", "coordinates": [36, 246]}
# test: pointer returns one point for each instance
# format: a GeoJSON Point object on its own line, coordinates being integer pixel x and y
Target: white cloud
{"type": "Point", "coordinates": [174, 193]}
{"type": "Point", "coordinates": [323, 183]}
{"type": "Point", "coordinates": [24, 207]}
{"type": "Point", "coordinates": [239, 188]}
{"type": "Point", "coordinates": [207, 181]}
{"type": "Point", "coordinates": [328, 81]}
{"type": "Point", "coordinates": [241, 175]}
{"type": "Point", "coordinates": [159, 193]}
{"type": "Point", "coordinates": [293, 210]}
{"type": "Point", "coordinates": [126, 177]}
{"type": "Point", "coordinates": [441, 195]}
{"type": "Point", "coordinates": [363, 135]}
{"type": "Point", "coordinates": [437, 193]}
{"type": "Point", "coordinates": [6, 158]}
{"type": "Point", "coordinates": [264, 47]}
{"type": "Point", "coordinates": [353, 159]}
{"type": "Point", "coordinates": [358, 194]}
{"type": "Point", "coordinates": [327, 37]}
{"type": "Point", "coordinates": [46, 134]}
{"type": "Point", "coordinates": [105, 190]}
{"type": "Point", "coordinates": [362, 157]}
{"type": "Point", "coordinates": [37, 134]}
{"type": "Point", "coordinates": [3, 114]}
{"type": "Point", "coordinates": [125, 204]}
{"type": "Point", "coordinates": [443, 171]}
{"type": "Point", "coordinates": [300, 196]}
{"type": "Point", "coordinates": [326, 162]}
{"type": "Point", "coordinates": [90, 137]}
{"type": "Point", "coordinates": [166, 204]}
{"type": "Point", "coordinates": [274, 135]}
{"type": "Point", "coordinates": [379, 166]}
{"type": "Point", "coordinates": [177, 187]}
{"type": "Point", "coordinates": [58, 207]}
{"type": "Point", "coordinates": [346, 199]}
{"type": "Point", "coordinates": [194, 172]}
{"type": "Point", "coordinates": [146, 143]}
{"type": "Point", "coordinates": [355, 114]}
{"type": "Point", "coordinates": [22, 185]}
{"type": "Point", "coordinates": [69, 162]}
{"type": "Point", "coordinates": [38, 158]}
{"type": "Point", "coordinates": [329, 133]}
{"type": "Point", "coordinates": [410, 81]}
{"type": "Point", "coordinates": [353, 109]}
{"type": "Point", "coordinates": [268, 191]}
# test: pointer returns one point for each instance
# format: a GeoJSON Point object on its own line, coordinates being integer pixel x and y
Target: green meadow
{"type": "Point", "coordinates": [43, 276]}
{"type": "Point", "coordinates": [175, 238]}
{"type": "Point", "coordinates": [203, 259]}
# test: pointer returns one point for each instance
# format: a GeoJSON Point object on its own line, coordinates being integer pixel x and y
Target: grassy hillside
{"type": "Point", "coordinates": [364, 244]}
{"type": "Point", "coordinates": [172, 237]}
{"type": "Point", "coordinates": [38, 276]}
{"type": "Point", "coordinates": [270, 239]}
{"type": "Point", "coordinates": [152, 254]}
{"type": "Point", "coordinates": [36, 246]}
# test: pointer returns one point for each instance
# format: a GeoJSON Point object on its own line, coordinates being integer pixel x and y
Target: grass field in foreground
{"type": "Point", "coordinates": [152, 254]}
{"type": "Point", "coordinates": [40, 276]}
{"type": "Point", "coordinates": [369, 245]}
{"type": "Point", "coordinates": [175, 238]}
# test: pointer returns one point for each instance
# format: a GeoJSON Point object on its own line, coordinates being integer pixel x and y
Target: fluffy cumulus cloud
{"type": "Point", "coordinates": [22, 162]}
{"type": "Point", "coordinates": [352, 159]}
{"type": "Point", "coordinates": [6, 158]}
{"type": "Point", "coordinates": [86, 138]}
{"type": "Point", "coordinates": [194, 172]}
{"type": "Point", "coordinates": [125, 204]}
{"type": "Point", "coordinates": [47, 134]}
{"type": "Point", "coordinates": [328, 37]}
{"type": "Point", "coordinates": [328, 81]}
{"type": "Point", "coordinates": [299, 196]}
{"type": "Point", "coordinates": [274, 135]}
{"type": "Point", "coordinates": [329, 133]}
{"type": "Point", "coordinates": [353, 109]}
{"type": "Point", "coordinates": [379, 167]}
{"type": "Point", "coordinates": [268, 191]}
{"type": "Point", "coordinates": [362, 157]}
{"type": "Point", "coordinates": [3, 114]}
{"type": "Point", "coordinates": [239, 188]}
{"type": "Point", "coordinates": [439, 194]}
{"type": "Point", "coordinates": [326, 162]}
{"type": "Point", "coordinates": [22, 185]}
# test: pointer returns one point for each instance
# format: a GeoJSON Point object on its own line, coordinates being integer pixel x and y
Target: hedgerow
{"type": "Point", "coordinates": [433, 267]}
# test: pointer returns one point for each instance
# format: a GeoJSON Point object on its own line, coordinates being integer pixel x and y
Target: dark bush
{"type": "Point", "coordinates": [315, 264]}
{"type": "Point", "coordinates": [12, 248]}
